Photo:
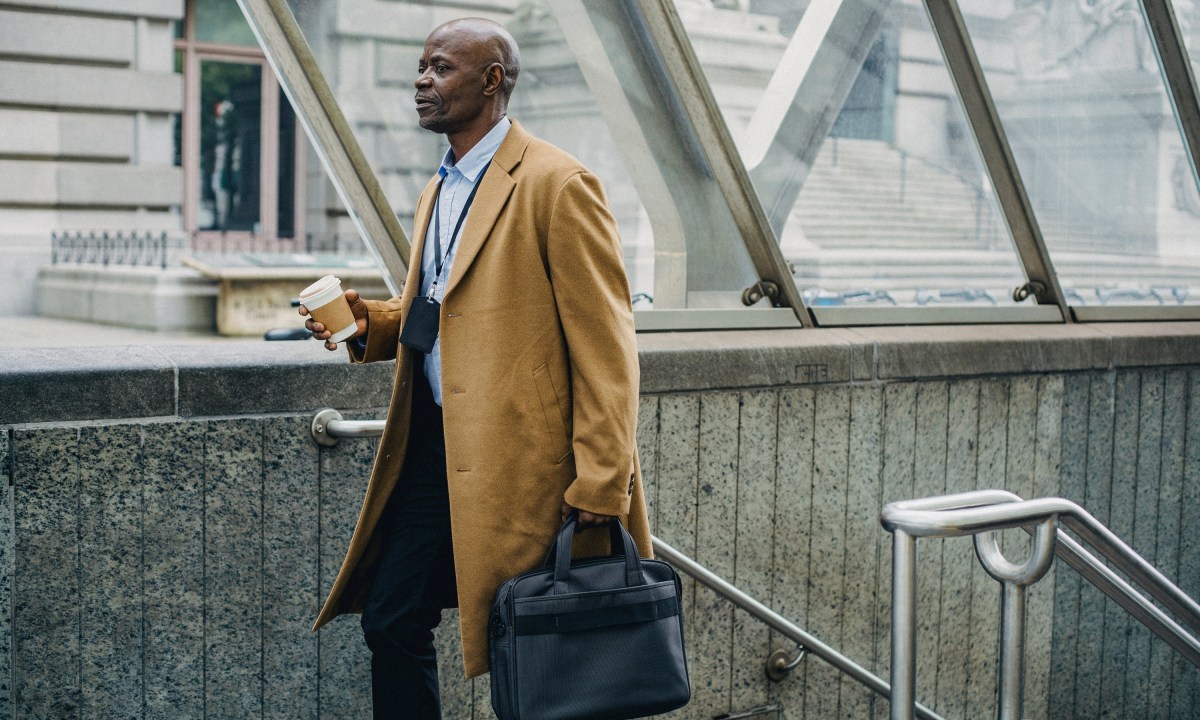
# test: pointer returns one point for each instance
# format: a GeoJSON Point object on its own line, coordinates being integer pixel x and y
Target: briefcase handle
{"type": "Point", "coordinates": [560, 553]}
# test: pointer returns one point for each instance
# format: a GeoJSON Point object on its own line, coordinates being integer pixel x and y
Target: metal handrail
{"type": "Point", "coordinates": [981, 514]}
{"type": "Point", "coordinates": [328, 427]}
{"type": "Point", "coordinates": [779, 623]}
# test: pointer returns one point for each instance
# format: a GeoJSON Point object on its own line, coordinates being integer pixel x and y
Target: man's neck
{"type": "Point", "coordinates": [461, 142]}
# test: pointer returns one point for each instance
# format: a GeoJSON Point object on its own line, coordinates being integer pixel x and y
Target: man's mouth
{"type": "Point", "coordinates": [423, 103]}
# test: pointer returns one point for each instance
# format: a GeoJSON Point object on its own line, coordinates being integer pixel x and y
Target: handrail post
{"type": "Point", "coordinates": [904, 623]}
{"type": "Point", "coordinates": [1013, 580]}
{"type": "Point", "coordinates": [1012, 651]}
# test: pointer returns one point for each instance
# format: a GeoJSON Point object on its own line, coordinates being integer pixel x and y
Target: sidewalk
{"type": "Point", "coordinates": [32, 331]}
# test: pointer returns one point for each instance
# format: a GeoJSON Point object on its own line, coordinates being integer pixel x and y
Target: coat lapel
{"type": "Point", "coordinates": [412, 284]}
{"type": "Point", "coordinates": [497, 185]}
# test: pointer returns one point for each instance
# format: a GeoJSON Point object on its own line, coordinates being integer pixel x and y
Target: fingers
{"type": "Point", "coordinates": [587, 519]}
{"type": "Point", "coordinates": [319, 331]}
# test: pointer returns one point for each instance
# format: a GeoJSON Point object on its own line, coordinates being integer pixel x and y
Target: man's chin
{"type": "Point", "coordinates": [432, 124]}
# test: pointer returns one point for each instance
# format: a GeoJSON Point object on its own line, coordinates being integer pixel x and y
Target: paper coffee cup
{"type": "Point", "coordinates": [327, 305]}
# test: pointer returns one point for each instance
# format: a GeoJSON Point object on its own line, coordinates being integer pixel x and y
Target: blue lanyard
{"type": "Point", "coordinates": [437, 227]}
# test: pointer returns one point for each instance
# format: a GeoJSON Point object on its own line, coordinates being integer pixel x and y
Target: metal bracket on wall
{"type": "Point", "coordinates": [780, 662]}
{"type": "Point", "coordinates": [1028, 290]}
{"type": "Point", "coordinates": [759, 290]}
{"type": "Point", "coordinates": [328, 427]}
{"type": "Point", "coordinates": [699, 113]}
{"type": "Point", "coordinates": [967, 73]}
{"type": "Point", "coordinates": [320, 427]}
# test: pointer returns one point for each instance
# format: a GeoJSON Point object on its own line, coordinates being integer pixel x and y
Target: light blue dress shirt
{"type": "Point", "coordinates": [458, 179]}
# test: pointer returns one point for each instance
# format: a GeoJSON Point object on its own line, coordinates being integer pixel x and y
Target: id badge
{"type": "Point", "coordinates": [421, 326]}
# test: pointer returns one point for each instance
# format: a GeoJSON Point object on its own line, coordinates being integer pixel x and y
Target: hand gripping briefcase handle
{"type": "Point", "coordinates": [559, 555]}
{"type": "Point", "coordinates": [595, 639]}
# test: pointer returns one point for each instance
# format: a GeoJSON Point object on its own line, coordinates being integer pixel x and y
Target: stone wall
{"type": "Point", "coordinates": [172, 527]}
{"type": "Point", "coordinates": [87, 88]}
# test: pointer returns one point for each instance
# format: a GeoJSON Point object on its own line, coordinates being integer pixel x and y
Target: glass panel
{"type": "Point", "coordinates": [371, 60]}
{"type": "Point", "coordinates": [286, 209]}
{"type": "Point", "coordinates": [684, 237]}
{"type": "Point", "coordinates": [222, 22]}
{"type": "Point", "coordinates": [890, 205]}
{"type": "Point", "coordinates": [230, 142]}
{"type": "Point", "coordinates": [1085, 108]}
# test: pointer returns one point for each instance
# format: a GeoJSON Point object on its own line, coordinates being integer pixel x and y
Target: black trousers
{"type": "Point", "coordinates": [415, 577]}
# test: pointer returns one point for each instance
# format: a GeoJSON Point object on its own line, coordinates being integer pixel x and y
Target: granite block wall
{"type": "Point", "coordinates": [171, 567]}
{"type": "Point", "coordinates": [87, 91]}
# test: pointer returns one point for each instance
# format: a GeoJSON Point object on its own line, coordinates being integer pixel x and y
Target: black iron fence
{"type": "Point", "coordinates": [160, 248]}
{"type": "Point", "coordinates": [90, 247]}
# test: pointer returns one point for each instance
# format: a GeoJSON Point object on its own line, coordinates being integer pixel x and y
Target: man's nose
{"type": "Point", "coordinates": [422, 80]}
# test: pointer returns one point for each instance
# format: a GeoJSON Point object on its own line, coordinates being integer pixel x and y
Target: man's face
{"type": "Point", "coordinates": [450, 81]}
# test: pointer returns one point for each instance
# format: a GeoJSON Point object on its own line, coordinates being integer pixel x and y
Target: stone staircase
{"type": "Point", "coordinates": [870, 194]}
{"type": "Point", "coordinates": [873, 216]}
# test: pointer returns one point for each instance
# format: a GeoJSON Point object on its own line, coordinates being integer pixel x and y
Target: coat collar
{"type": "Point", "coordinates": [494, 190]}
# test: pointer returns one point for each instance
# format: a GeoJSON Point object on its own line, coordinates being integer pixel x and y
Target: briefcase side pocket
{"type": "Point", "coordinates": [500, 660]}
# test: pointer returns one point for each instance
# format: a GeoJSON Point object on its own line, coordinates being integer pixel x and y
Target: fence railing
{"type": "Point", "coordinates": [147, 248]}
{"type": "Point", "coordinates": [161, 248]}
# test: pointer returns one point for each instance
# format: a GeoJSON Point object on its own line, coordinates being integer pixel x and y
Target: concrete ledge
{"type": "Point", "coordinates": [1151, 344]}
{"type": "Point", "coordinates": [63, 385]}
{"type": "Point", "coordinates": [77, 384]}
{"type": "Point", "coordinates": [66, 385]}
{"type": "Point", "coordinates": [271, 377]}
{"type": "Point", "coordinates": [956, 351]}
{"type": "Point", "coordinates": [749, 358]}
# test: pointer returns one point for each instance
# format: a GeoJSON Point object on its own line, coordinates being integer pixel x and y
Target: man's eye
{"type": "Point", "coordinates": [442, 68]}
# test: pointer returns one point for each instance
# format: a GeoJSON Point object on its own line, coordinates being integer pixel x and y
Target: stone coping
{"type": "Point", "coordinates": [205, 380]}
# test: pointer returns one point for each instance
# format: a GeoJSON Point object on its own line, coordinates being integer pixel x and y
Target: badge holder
{"type": "Point", "coordinates": [420, 329]}
{"type": "Point", "coordinates": [421, 326]}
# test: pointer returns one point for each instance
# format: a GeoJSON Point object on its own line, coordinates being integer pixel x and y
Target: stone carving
{"type": "Point", "coordinates": [1067, 39]}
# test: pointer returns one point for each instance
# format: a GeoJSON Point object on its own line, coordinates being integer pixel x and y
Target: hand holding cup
{"type": "Point", "coordinates": [333, 316]}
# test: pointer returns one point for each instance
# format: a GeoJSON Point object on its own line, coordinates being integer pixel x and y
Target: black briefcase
{"type": "Point", "coordinates": [595, 639]}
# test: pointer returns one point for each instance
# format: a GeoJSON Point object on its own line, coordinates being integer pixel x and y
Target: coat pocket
{"type": "Point", "coordinates": [552, 413]}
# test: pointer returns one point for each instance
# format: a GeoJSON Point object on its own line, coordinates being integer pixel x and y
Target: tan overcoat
{"type": "Point", "coordinates": [539, 381]}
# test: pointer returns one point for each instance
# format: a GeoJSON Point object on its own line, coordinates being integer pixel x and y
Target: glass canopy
{"type": "Point", "coordinates": [1086, 110]}
{"type": "Point", "coordinates": [856, 141]}
{"type": "Point", "coordinates": [841, 154]}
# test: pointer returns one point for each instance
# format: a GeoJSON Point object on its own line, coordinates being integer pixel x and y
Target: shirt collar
{"type": "Point", "coordinates": [479, 156]}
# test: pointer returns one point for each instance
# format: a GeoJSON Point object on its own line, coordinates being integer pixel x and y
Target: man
{"type": "Point", "coordinates": [518, 401]}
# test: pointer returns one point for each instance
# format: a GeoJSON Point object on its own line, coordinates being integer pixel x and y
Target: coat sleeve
{"type": "Point", "coordinates": [583, 252]}
{"type": "Point", "coordinates": [383, 332]}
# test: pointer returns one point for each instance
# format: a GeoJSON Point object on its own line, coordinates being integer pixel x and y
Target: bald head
{"type": "Point", "coordinates": [493, 45]}
{"type": "Point", "coordinates": [466, 73]}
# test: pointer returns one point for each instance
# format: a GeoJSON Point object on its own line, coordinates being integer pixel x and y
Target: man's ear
{"type": "Point", "coordinates": [493, 79]}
